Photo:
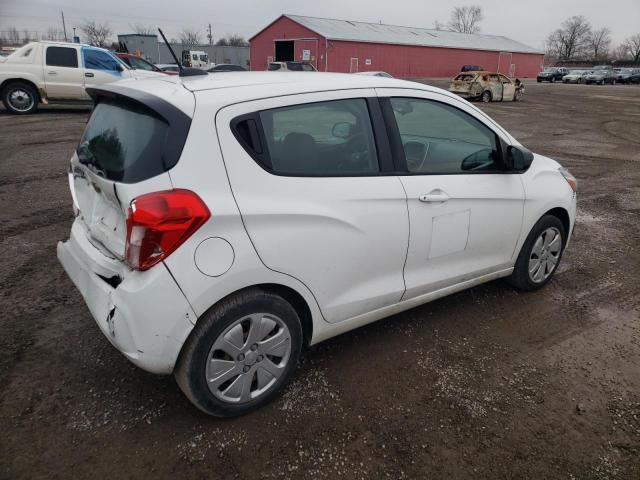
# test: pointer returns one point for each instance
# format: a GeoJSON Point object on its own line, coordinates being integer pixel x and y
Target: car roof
{"type": "Point", "coordinates": [247, 86]}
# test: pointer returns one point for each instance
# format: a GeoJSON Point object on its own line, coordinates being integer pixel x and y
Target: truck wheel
{"type": "Point", "coordinates": [20, 98]}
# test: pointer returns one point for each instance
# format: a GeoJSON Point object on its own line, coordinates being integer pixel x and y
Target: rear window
{"type": "Point", "coordinates": [62, 57]}
{"type": "Point", "coordinates": [125, 142]}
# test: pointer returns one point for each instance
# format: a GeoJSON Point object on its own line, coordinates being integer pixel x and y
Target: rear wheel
{"type": "Point", "coordinates": [486, 96]}
{"type": "Point", "coordinates": [240, 354]}
{"type": "Point", "coordinates": [540, 255]}
{"type": "Point", "coordinates": [20, 98]}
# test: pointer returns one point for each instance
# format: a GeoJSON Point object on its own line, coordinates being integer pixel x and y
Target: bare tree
{"type": "Point", "coordinates": [571, 40]}
{"type": "Point", "coordinates": [26, 36]}
{"type": "Point", "coordinates": [222, 42]}
{"type": "Point", "coordinates": [621, 52]}
{"type": "Point", "coordinates": [599, 43]}
{"type": "Point", "coordinates": [141, 29]}
{"type": "Point", "coordinates": [97, 34]}
{"type": "Point", "coordinates": [633, 46]}
{"type": "Point", "coordinates": [190, 37]}
{"type": "Point", "coordinates": [466, 19]}
{"type": "Point", "coordinates": [13, 35]}
{"type": "Point", "coordinates": [438, 25]}
{"type": "Point", "coordinates": [53, 33]}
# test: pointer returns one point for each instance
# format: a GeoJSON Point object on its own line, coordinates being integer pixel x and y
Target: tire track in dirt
{"type": "Point", "coordinates": [36, 220]}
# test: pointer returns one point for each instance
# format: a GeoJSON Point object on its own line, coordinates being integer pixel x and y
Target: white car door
{"type": "Point", "coordinates": [101, 67]}
{"type": "Point", "coordinates": [62, 73]}
{"type": "Point", "coordinates": [465, 210]}
{"type": "Point", "coordinates": [508, 89]}
{"type": "Point", "coordinates": [306, 173]}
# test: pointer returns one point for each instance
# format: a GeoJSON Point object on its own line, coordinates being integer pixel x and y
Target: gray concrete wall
{"type": "Point", "coordinates": [157, 52]}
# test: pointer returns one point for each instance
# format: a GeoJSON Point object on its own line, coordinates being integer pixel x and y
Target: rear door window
{"type": "Point", "coordinates": [124, 141]}
{"type": "Point", "coordinates": [333, 138]}
{"type": "Point", "coordinates": [62, 57]}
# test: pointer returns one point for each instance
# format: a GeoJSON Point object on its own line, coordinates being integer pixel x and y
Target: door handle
{"type": "Point", "coordinates": [88, 74]}
{"type": "Point", "coordinates": [52, 73]}
{"type": "Point", "coordinates": [436, 196]}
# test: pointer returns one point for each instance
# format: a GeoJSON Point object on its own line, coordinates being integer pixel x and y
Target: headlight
{"type": "Point", "coordinates": [571, 180]}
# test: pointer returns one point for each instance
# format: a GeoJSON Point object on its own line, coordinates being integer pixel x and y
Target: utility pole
{"type": "Point", "coordinates": [210, 36]}
{"type": "Point", "coordinates": [64, 27]}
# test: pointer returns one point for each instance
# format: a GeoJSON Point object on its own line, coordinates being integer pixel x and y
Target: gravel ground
{"type": "Point", "coordinates": [488, 383]}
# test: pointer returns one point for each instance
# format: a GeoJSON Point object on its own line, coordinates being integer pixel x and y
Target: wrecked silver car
{"type": "Point", "coordinates": [486, 86]}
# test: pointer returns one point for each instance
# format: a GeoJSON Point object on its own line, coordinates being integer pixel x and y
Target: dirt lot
{"type": "Point", "coordinates": [489, 383]}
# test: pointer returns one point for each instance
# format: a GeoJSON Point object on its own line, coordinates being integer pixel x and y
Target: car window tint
{"type": "Point", "coordinates": [62, 57]}
{"type": "Point", "coordinates": [438, 138]}
{"type": "Point", "coordinates": [321, 139]}
{"type": "Point", "coordinates": [99, 60]}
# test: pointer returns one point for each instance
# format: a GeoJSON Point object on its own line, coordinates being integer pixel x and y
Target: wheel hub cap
{"type": "Point", "coordinates": [247, 359]}
{"type": "Point", "coordinates": [20, 100]}
{"type": "Point", "coordinates": [545, 255]}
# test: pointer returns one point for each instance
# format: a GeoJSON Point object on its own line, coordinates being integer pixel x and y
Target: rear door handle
{"type": "Point", "coordinates": [437, 196]}
{"type": "Point", "coordinates": [52, 73]}
{"type": "Point", "coordinates": [88, 74]}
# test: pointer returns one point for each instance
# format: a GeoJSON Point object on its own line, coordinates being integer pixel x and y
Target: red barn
{"type": "Point", "coordinates": [406, 52]}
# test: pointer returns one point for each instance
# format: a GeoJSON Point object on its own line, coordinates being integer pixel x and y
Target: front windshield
{"type": "Point", "coordinates": [577, 72]}
{"type": "Point", "coordinates": [549, 70]}
{"type": "Point", "coordinates": [204, 57]}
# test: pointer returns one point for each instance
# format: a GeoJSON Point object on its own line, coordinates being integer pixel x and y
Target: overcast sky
{"type": "Point", "coordinates": [528, 21]}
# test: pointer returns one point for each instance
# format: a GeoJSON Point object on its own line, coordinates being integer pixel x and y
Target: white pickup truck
{"type": "Point", "coordinates": [52, 72]}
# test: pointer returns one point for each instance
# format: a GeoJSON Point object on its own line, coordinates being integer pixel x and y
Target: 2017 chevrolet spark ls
{"type": "Point", "coordinates": [223, 222]}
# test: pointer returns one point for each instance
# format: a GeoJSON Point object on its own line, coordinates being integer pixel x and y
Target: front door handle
{"type": "Point", "coordinates": [88, 74]}
{"type": "Point", "coordinates": [436, 196]}
{"type": "Point", "coordinates": [52, 73]}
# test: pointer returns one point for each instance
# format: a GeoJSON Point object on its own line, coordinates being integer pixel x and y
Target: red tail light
{"type": "Point", "coordinates": [159, 222]}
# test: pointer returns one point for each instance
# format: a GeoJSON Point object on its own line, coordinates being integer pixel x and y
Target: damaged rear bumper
{"type": "Point", "coordinates": [143, 314]}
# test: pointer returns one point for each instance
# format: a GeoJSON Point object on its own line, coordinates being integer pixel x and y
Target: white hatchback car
{"type": "Point", "coordinates": [224, 222]}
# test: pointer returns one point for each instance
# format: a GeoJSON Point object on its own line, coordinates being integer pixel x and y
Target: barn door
{"type": "Point", "coordinates": [353, 65]}
{"type": "Point", "coordinates": [504, 62]}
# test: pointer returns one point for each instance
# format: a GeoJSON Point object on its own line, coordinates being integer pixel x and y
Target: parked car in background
{"type": "Point", "coordinates": [486, 86]}
{"type": "Point", "coordinates": [635, 76]}
{"type": "Point", "coordinates": [226, 67]}
{"type": "Point", "coordinates": [219, 264]}
{"type": "Point", "coordinates": [623, 75]}
{"type": "Point", "coordinates": [170, 68]}
{"type": "Point", "coordinates": [137, 62]}
{"type": "Point", "coordinates": [376, 74]}
{"type": "Point", "coordinates": [51, 72]}
{"type": "Point", "coordinates": [291, 66]}
{"type": "Point", "coordinates": [600, 77]}
{"type": "Point", "coordinates": [552, 74]}
{"type": "Point", "coordinates": [575, 76]}
{"type": "Point", "coordinates": [471, 68]}
{"type": "Point", "coordinates": [602, 67]}
{"type": "Point", "coordinates": [195, 58]}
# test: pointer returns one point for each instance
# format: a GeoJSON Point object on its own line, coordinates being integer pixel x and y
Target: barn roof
{"type": "Point", "coordinates": [334, 29]}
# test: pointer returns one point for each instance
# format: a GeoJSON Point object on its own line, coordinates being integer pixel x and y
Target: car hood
{"type": "Point", "coordinates": [146, 74]}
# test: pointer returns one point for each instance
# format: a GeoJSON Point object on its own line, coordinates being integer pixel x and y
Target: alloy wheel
{"type": "Point", "coordinates": [20, 100]}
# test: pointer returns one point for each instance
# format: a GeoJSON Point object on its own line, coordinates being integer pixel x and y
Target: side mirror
{"type": "Point", "coordinates": [518, 158]}
{"type": "Point", "coordinates": [342, 130]}
{"type": "Point", "coordinates": [119, 67]}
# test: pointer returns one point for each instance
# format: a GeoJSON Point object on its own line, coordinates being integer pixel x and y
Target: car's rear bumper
{"type": "Point", "coordinates": [145, 315]}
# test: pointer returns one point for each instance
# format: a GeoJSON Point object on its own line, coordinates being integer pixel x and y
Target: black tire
{"type": "Point", "coordinates": [520, 277]}
{"type": "Point", "coordinates": [23, 91]}
{"type": "Point", "coordinates": [190, 372]}
{"type": "Point", "coordinates": [553, 79]}
{"type": "Point", "coordinates": [486, 96]}
{"type": "Point", "coordinates": [539, 81]}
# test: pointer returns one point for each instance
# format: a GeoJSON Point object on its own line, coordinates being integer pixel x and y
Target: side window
{"type": "Point", "coordinates": [332, 138]}
{"type": "Point", "coordinates": [62, 57]}
{"type": "Point", "coordinates": [504, 79]}
{"type": "Point", "coordinates": [439, 139]}
{"type": "Point", "coordinates": [140, 64]}
{"type": "Point", "coordinates": [99, 60]}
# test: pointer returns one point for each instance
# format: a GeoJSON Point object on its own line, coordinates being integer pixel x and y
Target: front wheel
{"type": "Point", "coordinates": [240, 354]}
{"type": "Point", "coordinates": [486, 96]}
{"type": "Point", "coordinates": [20, 98]}
{"type": "Point", "coordinates": [540, 255]}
